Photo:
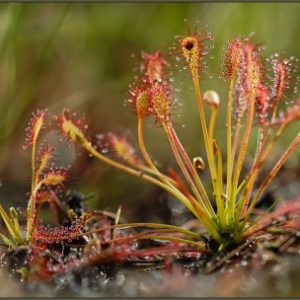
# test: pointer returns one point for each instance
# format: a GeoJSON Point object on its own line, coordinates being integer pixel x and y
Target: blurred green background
{"type": "Point", "coordinates": [82, 56]}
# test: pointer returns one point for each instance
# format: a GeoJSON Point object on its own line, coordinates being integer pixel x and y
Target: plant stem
{"type": "Point", "coordinates": [195, 204]}
{"type": "Point", "coordinates": [207, 143]}
{"type": "Point", "coordinates": [31, 211]}
{"type": "Point", "coordinates": [146, 154]}
{"type": "Point", "coordinates": [204, 215]}
{"type": "Point", "coordinates": [229, 138]}
{"type": "Point", "coordinates": [236, 140]}
{"type": "Point", "coordinates": [271, 145]}
{"type": "Point", "coordinates": [148, 225]}
{"type": "Point", "coordinates": [11, 227]}
{"type": "Point", "coordinates": [275, 106]}
{"type": "Point", "coordinates": [170, 130]}
{"type": "Point", "coordinates": [199, 245]}
{"type": "Point", "coordinates": [284, 209]}
{"type": "Point", "coordinates": [191, 204]}
{"type": "Point", "coordinates": [242, 155]}
{"type": "Point", "coordinates": [274, 171]}
{"type": "Point", "coordinates": [177, 144]}
{"type": "Point", "coordinates": [152, 172]}
{"type": "Point", "coordinates": [212, 122]}
{"type": "Point", "coordinates": [33, 175]}
{"type": "Point", "coordinates": [244, 201]}
{"type": "Point", "coordinates": [220, 169]}
{"type": "Point", "coordinates": [187, 176]}
{"type": "Point", "coordinates": [209, 150]}
{"type": "Point", "coordinates": [173, 191]}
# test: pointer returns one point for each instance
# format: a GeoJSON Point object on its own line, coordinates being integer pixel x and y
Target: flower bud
{"type": "Point", "coordinates": [211, 98]}
{"type": "Point", "coordinates": [198, 163]}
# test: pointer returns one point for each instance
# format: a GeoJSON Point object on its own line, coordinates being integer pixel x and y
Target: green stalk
{"type": "Point", "coordinates": [14, 232]}
{"type": "Point", "coordinates": [212, 122]}
{"type": "Point", "coordinates": [274, 171]}
{"type": "Point", "coordinates": [174, 192]}
{"type": "Point", "coordinates": [148, 225]}
{"type": "Point", "coordinates": [31, 211]}
{"type": "Point", "coordinates": [203, 212]}
{"type": "Point", "coordinates": [235, 142]}
{"type": "Point", "coordinates": [244, 201]}
{"type": "Point", "coordinates": [147, 156]}
{"type": "Point", "coordinates": [229, 137]}
{"type": "Point", "coordinates": [172, 136]}
{"type": "Point", "coordinates": [195, 204]}
{"type": "Point", "coordinates": [207, 143]}
{"type": "Point", "coordinates": [241, 155]}
{"type": "Point", "coordinates": [152, 172]}
{"type": "Point", "coordinates": [8, 242]}
{"type": "Point", "coordinates": [209, 151]}
{"type": "Point", "coordinates": [220, 170]}
{"type": "Point", "coordinates": [33, 175]}
{"type": "Point", "coordinates": [199, 245]}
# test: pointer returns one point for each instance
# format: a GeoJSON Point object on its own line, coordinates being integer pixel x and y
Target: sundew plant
{"type": "Point", "coordinates": [260, 103]}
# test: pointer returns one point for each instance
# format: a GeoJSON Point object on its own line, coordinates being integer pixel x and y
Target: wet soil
{"type": "Point", "coordinates": [252, 269]}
